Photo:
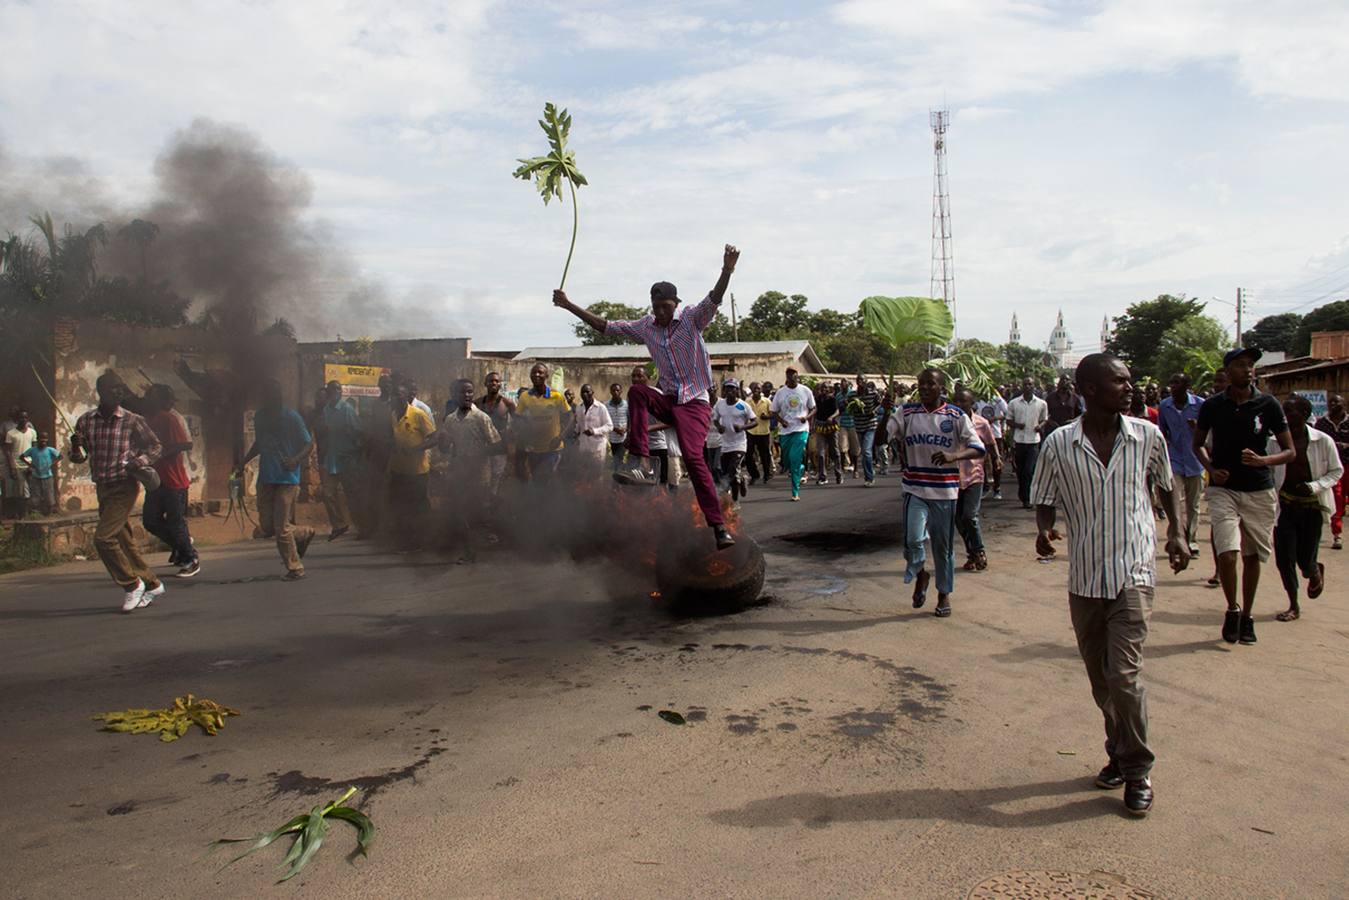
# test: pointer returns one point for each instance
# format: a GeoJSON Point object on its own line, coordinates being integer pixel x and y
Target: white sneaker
{"type": "Point", "coordinates": [150, 595]}
{"type": "Point", "coordinates": [133, 597]}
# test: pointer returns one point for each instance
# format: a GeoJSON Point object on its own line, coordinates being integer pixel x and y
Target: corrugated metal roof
{"type": "Point", "coordinates": [796, 349]}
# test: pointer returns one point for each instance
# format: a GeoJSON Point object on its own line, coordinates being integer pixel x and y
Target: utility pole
{"type": "Point", "coordinates": [1237, 342]}
{"type": "Point", "coordinates": [735, 327]}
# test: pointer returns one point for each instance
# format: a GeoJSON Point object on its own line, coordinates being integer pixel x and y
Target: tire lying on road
{"type": "Point", "coordinates": [709, 582]}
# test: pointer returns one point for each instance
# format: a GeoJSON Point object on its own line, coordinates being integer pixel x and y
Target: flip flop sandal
{"type": "Point", "coordinates": [981, 561]}
{"type": "Point", "coordinates": [1321, 582]}
{"type": "Point", "coordinates": [1288, 616]}
{"type": "Point", "coordinates": [920, 590]}
{"type": "Point", "coordinates": [942, 612]}
{"type": "Point", "coordinates": [970, 565]}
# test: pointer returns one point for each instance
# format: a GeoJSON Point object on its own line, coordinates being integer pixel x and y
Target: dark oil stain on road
{"type": "Point", "coordinates": [880, 536]}
{"type": "Point", "coordinates": [123, 808]}
{"type": "Point", "coordinates": [737, 724]}
{"type": "Point", "coordinates": [861, 723]}
{"type": "Point", "coordinates": [296, 782]}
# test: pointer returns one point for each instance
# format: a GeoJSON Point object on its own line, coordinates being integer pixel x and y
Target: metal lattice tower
{"type": "Point", "coordinates": [943, 265]}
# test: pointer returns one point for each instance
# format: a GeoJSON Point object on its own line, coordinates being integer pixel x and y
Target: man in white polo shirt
{"type": "Point", "coordinates": [1096, 470]}
{"type": "Point", "coordinates": [1026, 415]}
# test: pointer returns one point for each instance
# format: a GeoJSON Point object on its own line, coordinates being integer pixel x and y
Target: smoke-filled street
{"type": "Point", "coordinates": [501, 721]}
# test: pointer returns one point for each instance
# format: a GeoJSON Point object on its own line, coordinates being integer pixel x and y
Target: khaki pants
{"type": "Point", "coordinates": [338, 493]}
{"type": "Point", "coordinates": [276, 504]}
{"type": "Point", "coordinates": [1110, 636]}
{"type": "Point", "coordinates": [113, 539]}
{"type": "Point", "coordinates": [1193, 486]}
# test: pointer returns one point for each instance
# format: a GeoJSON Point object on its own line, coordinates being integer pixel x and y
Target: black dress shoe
{"type": "Point", "coordinates": [1138, 796]}
{"type": "Point", "coordinates": [1231, 626]}
{"type": "Point", "coordinates": [1247, 630]}
{"type": "Point", "coordinates": [1110, 778]}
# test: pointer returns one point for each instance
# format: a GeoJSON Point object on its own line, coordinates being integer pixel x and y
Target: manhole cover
{"type": "Point", "coordinates": [1043, 885]}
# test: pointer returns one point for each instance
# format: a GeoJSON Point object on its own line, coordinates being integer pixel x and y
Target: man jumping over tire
{"type": "Point", "coordinates": [676, 346]}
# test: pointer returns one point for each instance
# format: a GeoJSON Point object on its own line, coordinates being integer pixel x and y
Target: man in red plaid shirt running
{"type": "Point", "coordinates": [118, 443]}
{"type": "Point", "coordinates": [677, 347]}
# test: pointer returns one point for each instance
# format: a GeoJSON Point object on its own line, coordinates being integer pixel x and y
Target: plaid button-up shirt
{"type": "Point", "coordinates": [678, 350]}
{"type": "Point", "coordinates": [113, 441]}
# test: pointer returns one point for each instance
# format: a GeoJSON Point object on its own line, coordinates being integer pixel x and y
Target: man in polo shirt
{"type": "Point", "coordinates": [1026, 415]}
{"type": "Point", "coordinates": [116, 442]}
{"type": "Point", "coordinates": [414, 432]}
{"type": "Point", "coordinates": [1178, 416]}
{"type": "Point", "coordinates": [165, 511]}
{"type": "Point", "coordinates": [935, 436]}
{"type": "Point", "coordinates": [676, 345]}
{"type": "Point", "coordinates": [540, 412]}
{"type": "Point", "coordinates": [1096, 470]}
{"type": "Point", "coordinates": [618, 415]}
{"type": "Point", "coordinates": [1241, 502]}
{"type": "Point", "coordinates": [281, 443]}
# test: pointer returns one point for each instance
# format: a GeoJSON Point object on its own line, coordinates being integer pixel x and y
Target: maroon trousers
{"type": "Point", "coordinates": [690, 421]}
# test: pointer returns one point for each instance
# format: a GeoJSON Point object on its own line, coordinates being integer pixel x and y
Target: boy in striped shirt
{"type": "Point", "coordinates": [676, 345]}
{"type": "Point", "coordinates": [935, 436]}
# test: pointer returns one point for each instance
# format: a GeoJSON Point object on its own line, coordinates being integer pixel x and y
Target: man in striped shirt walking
{"type": "Point", "coordinates": [676, 345]}
{"type": "Point", "coordinates": [1096, 469]}
{"type": "Point", "coordinates": [935, 436]}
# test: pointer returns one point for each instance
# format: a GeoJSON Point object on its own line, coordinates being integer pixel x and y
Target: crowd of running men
{"type": "Point", "coordinates": [1108, 459]}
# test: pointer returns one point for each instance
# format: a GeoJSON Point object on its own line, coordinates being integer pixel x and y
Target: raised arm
{"type": "Point", "coordinates": [730, 256]}
{"type": "Point", "coordinates": [560, 300]}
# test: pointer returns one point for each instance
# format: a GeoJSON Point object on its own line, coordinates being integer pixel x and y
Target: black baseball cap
{"type": "Point", "coordinates": [663, 290]}
{"type": "Point", "coordinates": [1237, 352]}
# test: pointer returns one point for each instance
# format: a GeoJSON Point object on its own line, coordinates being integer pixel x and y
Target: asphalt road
{"type": "Point", "coordinates": [501, 719]}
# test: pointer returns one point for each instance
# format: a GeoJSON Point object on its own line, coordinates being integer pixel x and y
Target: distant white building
{"type": "Point", "coordinates": [1060, 344]}
{"type": "Point", "coordinates": [1106, 334]}
{"type": "Point", "coordinates": [1014, 336]}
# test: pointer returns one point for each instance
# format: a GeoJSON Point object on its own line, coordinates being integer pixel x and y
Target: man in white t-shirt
{"type": "Point", "coordinates": [14, 443]}
{"type": "Point", "coordinates": [793, 407]}
{"type": "Point", "coordinates": [732, 418]}
{"type": "Point", "coordinates": [1026, 416]}
{"type": "Point", "coordinates": [995, 411]}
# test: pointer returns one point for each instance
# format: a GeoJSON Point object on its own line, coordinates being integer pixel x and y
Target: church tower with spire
{"type": "Point", "coordinates": [1059, 343]}
{"type": "Point", "coordinates": [1014, 336]}
{"type": "Point", "coordinates": [1105, 332]}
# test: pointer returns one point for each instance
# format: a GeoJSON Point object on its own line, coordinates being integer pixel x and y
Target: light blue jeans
{"type": "Point", "coordinates": [936, 519]}
{"type": "Point", "coordinates": [868, 441]}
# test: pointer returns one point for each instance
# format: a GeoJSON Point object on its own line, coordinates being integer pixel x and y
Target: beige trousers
{"type": "Point", "coordinates": [113, 539]}
{"type": "Point", "coordinates": [276, 506]}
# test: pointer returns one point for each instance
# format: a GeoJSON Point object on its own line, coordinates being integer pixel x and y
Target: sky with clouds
{"type": "Point", "coordinates": [1100, 152]}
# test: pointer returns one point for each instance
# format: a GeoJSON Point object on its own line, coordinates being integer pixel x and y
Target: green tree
{"type": "Point", "coordinates": [606, 309]}
{"type": "Point", "coordinates": [1194, 345]}
{"type": "Point", "coordinates": [1139, 332]}
{"type": "Point", "coordinates": [1276, 332]}
{"type": "Point", "coordinates": [1331, 317]}
{"type": "Point", "coordinates": [775, 316]}
{"type": "Point", "coordinates": [1018, 361]}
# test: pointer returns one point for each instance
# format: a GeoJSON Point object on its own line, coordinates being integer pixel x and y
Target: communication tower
{"type": "Point", "coordinates": [943, 266]}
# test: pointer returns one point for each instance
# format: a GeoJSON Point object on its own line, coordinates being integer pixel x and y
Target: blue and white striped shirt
{"type": "Point", "coordinates": [1112, 535]}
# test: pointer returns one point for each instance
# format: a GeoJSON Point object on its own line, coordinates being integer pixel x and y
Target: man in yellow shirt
{"type": "Point", "coordinates": [759, 459]}
{"type": "Point", "coordinates": [409, 468]}
{"type": "Point", "coordinates": [539, 415]}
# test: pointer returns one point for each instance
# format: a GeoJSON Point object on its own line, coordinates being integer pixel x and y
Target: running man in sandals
{"type": "Point", "coordinates": [675, 340]}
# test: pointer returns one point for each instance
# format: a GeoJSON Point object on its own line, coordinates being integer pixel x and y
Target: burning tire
{"type": "Point", "coordinates": [710, 582]}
